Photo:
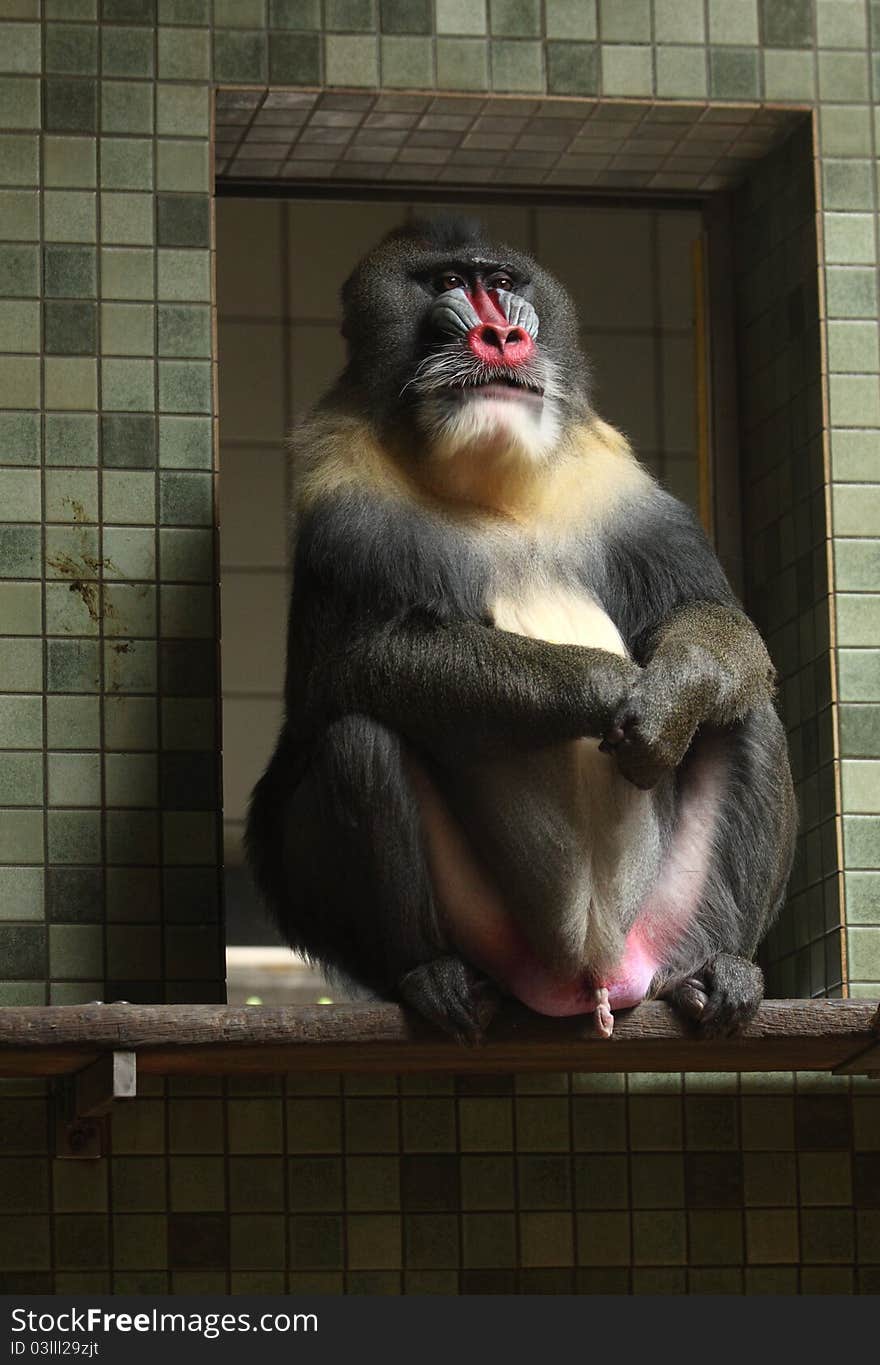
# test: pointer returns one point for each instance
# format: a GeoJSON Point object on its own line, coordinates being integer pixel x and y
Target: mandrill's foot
{"type": "Point", "coordinates": [604, 1017]}
{"type": "Point", "coordinates": [720, 997]}
{"type": "Point", "coordinates": [449, 993]}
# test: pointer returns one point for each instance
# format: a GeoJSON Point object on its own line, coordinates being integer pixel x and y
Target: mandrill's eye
{"type": "Point", "coordinates": [501, 282]}
{"type": "Point", "coordinates": [443, 283]}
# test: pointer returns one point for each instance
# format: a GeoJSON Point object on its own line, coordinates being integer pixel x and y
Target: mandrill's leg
{"type": "Point", "coordinates": [351, 886]}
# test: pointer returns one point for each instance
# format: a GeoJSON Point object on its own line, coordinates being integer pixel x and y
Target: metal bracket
{"type": "Point", "coordinates": [85, 1099]}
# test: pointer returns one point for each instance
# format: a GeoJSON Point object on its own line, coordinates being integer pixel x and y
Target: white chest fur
{"type": "Point", "coordinates": [561, 615]}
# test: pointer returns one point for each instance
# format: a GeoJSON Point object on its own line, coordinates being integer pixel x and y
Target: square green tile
{"type": "Point", "coordinates": [21, 723]}
{"type": "Point", "coordinates": [127, 52]}
{"type": "Point", "coordinates": [126, 107]}
{"type": "Point", "coordinates": [130, 723]}
{"type": "Point", "coordinates": [239, 13]}
{"type": "Point", "coordinates": [19, 271]}
{"type": "Point", "coordinates": [126, 163]}
{"type": "Point", "coordinates": [19, 438]}
{"type": "Point", "coordinates": [127, 218]}
{"type": "Point", "coordinates": [75, 895]}
{"type": "Point", "coordinates": [130, 780]}
{"type": "Point", "coordinates": [184, 275]}
{"type": "Point", "coordinates": [462, 64]}
{"type": "Point", "coordinates": [184, 330]}
{"type": "Point", "coordinates": [69, 216]}
{"type": "Point", "coordinates": [74, 836]}
{"type": "Point", "coordinates": [133, 840]}
{"type": "Point", "coordinates": [21, 893]}
{"type": "Point", "coordinates": [70, 328]}
{"type": "Point", "coordinates": [20, 381]}
{"type": "Point", "coordinates": [23, 953]}
{"type": "Point", "coordinates": [351, 60]}
{"type": "Point", "coordinates": [19, 326]}
{"type": "Point", "coordinates": [70, 272]}
{"type": "Point", "coordinates": [127, 273]}
{"type": "Point", "coordinates": [572, 68]}
{"type": "Point", "coordinates": [294, 58]}
{"type": "Point", "coordinates": [71, 50]}
{"type": "Point", "coordinates": [74, 779]}
{"type": "Point", "coordinates": [72, 552]}
{"type": "Point", "coordinates": [184, 56]}
{"type": "Point", "coordinates": [69, 162]}
{"type": "Point", "coordinates": [128, 385]}
{"type": "Point", "coordinates": [70, 9]}
{"type": "Point", "coordinates": [681, 72]}
{"type": "Point", "coordinates": [128, 11]}
{"type": "Point", "coordinates": [847, 184]}
{"type": "Point", "coordinates": [20, 494]}
{"type": "Point", "coordinates": [845, 130]}
{"type": "Point", "coordinates": [22, 48]}
{"type": "Point", "coordinates": [407, 63]}
{"type": "Point", "coordinates": [20, 551]}
{"type": "Point", "coordinates": [183, 110]}
{"type": "Point", "coordinates": [70, 105]}
{"type": "Point", "coordinates": [185, 442]}
{"type": "Point", "coordinates": [73, 608]}
{"type": "Point", "coordinates": [21, 837]}
{"type": "Point", "coordinates": [239, 57]}
{"type": "Point", "coordinates": [469, 16]}
{"type": "Point", "coordinates": [128, 497]}
{"type": "Point", "coordinates": [130, 610]}
{"type": "Point", "coordinates": [787, 23]}
{"type": "Point", "coordinates": [20, 609]}
{"type": "Point", "coordinates": [19, 211]}
{"type": "Point", "coordinates": [678, 21]}
{"type": "Point", "coordinates": [76, 950]}
{"type": "Point", "coordinates": [71, 495]}
{"type": "Point", "coordinates": [183, 220]}
{"type": "Point", "coordinates": [72, 665]}
{"type": "Point", "coordinates": [513, 18]}
{"type": "Point", "coordinates": [734, 73]}
{"type": "Point", "coordinates": [129, 665]}
{"type": "Point", "coordinates": [348, 15]}
{"type": "Point", "coordinates": [129, 553]}
{"type": "Point", "coordinates": [19, 102]}
{"type": "Point", "coordinates": [71, 439]}
{"type": "Point", "coordinates": [185, 386]}
{"type": "Point", "coordinates": [21, 665]}
{"type": "Point", "coordinates": [19, 159]}
{"type": "Point", "coordinates": [70, 383]}
{"type": "Point", "coordinates": [73, 722]}
{"type": "Point", "coordinates": [187, 555]}
{"type": "Point", "coordinates": [843, 76]}
{"type": "Point", "coordinates": [183, 165]}
{"type": "Point", "coordinates": [21, 780]}
{"type": "Point", "coordinates": [128, 441]}
{"type": "Point", "coordinates": [516, 65]}
{"type": "Point", "coordinates": [840, 23]}
{"type": "Point", "coordinates": [127, 329]}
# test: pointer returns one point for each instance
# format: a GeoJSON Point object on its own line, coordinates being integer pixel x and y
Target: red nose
{"type": "Point", "coordinates": [497, 344]}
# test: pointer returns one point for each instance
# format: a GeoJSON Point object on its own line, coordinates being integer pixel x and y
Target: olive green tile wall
{"type": "Point", "coordinates": [109, 831]}
{"type": "Point", "coordinates": [786, 535]}
{"type": "Point", "coordinates": [442, 1185]}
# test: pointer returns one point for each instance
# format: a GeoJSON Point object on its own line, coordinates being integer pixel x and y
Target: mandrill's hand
{"type": "Point", "coordinates": [609, 682]}
{"type": "Point", "coordinates": [653, 728]}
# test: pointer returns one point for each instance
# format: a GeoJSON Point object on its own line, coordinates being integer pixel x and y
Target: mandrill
{"type": "Point", "coordinates": [529, 746]}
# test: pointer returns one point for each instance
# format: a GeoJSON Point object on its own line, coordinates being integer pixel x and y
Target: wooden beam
{"type": "Point", "coordinates": [786, 1035]}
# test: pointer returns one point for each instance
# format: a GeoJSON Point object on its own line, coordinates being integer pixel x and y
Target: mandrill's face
{"type": "Point", "coordinates": [478, 345]}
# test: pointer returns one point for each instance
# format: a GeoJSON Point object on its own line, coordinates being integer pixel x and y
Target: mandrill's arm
{"type": "Point", "coordinates": [458, 690]}
{"type": "Point", "coordinates": [704, 661]}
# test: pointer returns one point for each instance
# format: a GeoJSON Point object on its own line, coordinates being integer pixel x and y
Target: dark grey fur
{"type": "Point", "coordinates": [391, 650]}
